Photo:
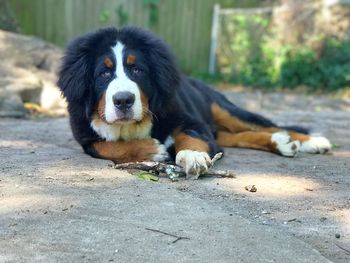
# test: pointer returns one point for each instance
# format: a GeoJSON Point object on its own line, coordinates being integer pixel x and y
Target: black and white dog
{"type": "Point", "coordinates": [127, 100]}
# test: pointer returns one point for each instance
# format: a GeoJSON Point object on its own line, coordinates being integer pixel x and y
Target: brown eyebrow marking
{"type": "Point", "coordinates": [108, 62]}
{"type": "Point", "coordinates": [131, 60]}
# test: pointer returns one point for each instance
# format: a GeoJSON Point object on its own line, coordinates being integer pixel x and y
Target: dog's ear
{"type": "Point", "coordinates": [75, 76]}
{"type": "Point", "coordinates": [165, 76]}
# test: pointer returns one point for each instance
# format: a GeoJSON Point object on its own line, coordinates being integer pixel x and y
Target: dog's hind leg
{"type": "Point", "coordinates": [261, 131]}
{"type": "Point", "coordinates": [278, 142]}
{"type": "Point", "coordinates": [311, 144]}
{"type": "Point", "coordinates": [308, 143]}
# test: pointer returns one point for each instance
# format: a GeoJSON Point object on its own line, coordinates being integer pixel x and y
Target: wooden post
{"type": "Point", "coordinates": [214, 39]}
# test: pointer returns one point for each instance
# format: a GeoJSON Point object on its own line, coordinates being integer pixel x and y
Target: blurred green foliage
{"type": "Point", "coordinates": [260, 60]}
{"type": "Point", "coordinates": [104, 16]}
{"type": "Point", "coordinates": [153, 12]}
{"type": "Point", "coordinates": [329, 70]}
{"type": "Point", "coordinates": [122, 15]}
{"type": "Point", "coordinates": [8, 19]}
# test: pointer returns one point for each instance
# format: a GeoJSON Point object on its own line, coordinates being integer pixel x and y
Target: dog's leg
{"type": "Point", "coordinates": [192, 154]}
{"type": "Point", "coordinates": [225, 121]}
{"type": "Point", "coordinates": [233, 132]}
{"type": "Point", "coordinates": [233, 125]}
{"type": "Point", "coordinates": [311, 144]}
{"type": "Point", "coordinates": [308, 143]}
{"type": "Point", "coordinates": [128, 151]}
{"type": "Point", "coordinates": [279, 142]}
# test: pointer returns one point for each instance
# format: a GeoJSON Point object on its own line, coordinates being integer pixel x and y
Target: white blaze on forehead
{"type": "Point", "coordinates": [119, 84]}
{"type": "Point", "coordinates": [118, 52]}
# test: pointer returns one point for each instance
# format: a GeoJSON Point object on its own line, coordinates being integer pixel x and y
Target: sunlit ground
{"type": "Point", "coordinates": [273, 186]}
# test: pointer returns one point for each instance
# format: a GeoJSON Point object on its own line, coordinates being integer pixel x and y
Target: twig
{"type": "Point", "coordinates": [179, 238]}
{"type": "Point", "coordinates": [148, 166]}
{"type": "Point", "coordinates": [220, 173]}
{"type": "Point", "coordinates": [168, 234]}
{"type": "Point", "coordinates": [347, 251]}
{"type": "Point", "coordinates": [163, 168]}
{"type": "Point", "coordinates": [172, 170]}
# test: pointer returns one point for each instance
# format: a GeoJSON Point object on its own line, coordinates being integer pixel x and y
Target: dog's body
{"type": "Point", "coordinates": [128, 102]}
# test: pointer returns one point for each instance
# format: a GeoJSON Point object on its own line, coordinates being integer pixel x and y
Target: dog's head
{"type": "Point", "coordinates": [120, 74]}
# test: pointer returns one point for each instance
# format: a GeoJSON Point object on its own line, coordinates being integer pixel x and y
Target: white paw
{"type": "Point", "coordinates": [194, 163]}
{"type": "Point", "coordinates": [284, 145]}
{"type": "Point", "coordinates": [316, 145]}
{"type": "Point", "coordinates": [161, 154]}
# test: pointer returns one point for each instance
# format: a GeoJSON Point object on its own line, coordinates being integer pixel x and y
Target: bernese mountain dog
{"type": "Point", "coordinates": [128, 102]}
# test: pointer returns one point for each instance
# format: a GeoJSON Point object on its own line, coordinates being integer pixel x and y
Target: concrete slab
{"type": "Point", "coordinates": [59, 205]}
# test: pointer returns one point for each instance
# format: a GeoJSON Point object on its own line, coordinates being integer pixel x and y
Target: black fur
{"type": "Point", "coordinates": [177, 101]}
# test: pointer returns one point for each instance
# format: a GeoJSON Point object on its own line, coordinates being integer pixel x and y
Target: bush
{"type": "Point", "coordinates": [330, 70]}
{"type": "Point", "coordinates": [252, 55]}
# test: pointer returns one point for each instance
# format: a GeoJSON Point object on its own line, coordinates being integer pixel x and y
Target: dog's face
{"type": "Point", "coordinates": [123, 81]}
{"type": "Point", "coordinates": [119, 74]}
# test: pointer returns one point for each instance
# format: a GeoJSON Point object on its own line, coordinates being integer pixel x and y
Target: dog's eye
{"type": "Point", "coordinates": [106, 74]}
{"type": "Point", "coordinates": [136, 70]}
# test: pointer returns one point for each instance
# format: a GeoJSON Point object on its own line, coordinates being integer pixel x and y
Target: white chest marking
{"type": "Point", "coordinates": [124, 132]}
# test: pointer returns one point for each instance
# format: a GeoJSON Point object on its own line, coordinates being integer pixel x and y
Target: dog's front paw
{"type": "Point", "coordinates": [316, 145]}
{"type": "Point", "coordinates": [194, 163]}
{"type": "Point", "coordinates": [284, 145]}
{"type": "Point", "coordinates": [161, 154]}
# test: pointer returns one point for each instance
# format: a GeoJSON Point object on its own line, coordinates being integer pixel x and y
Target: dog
{"type": "Point", "coordinates": [128, 102]}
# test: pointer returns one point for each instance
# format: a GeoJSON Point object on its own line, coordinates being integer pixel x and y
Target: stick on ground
{"type": "Point", "coordinates": [163, 168]}
{"type": "Point", "coordinates": [347, 251]}
{"type": "Point", "coordinates": [174, 171]}
{"type": "Point", "coordinates": [168, 234]}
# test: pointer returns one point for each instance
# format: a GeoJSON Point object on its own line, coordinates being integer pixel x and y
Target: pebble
{"type": "Point", "coordinates": [251, 188]}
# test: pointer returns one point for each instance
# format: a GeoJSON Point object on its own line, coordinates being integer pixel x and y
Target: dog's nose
{"type": "Point", "coordinates": [123, 100]}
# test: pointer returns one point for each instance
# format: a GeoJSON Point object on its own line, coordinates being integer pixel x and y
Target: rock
{"type": "Point", "coordinates": [251, 188]}
{"type": "Point", "coordinates": [28, 71]}
{"type": "Point", "coordinates": [11, 105]}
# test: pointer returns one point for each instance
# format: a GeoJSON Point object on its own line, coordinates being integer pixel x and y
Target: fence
{"type": "Point", "coordinates": [184, 24]}
{"type": "Point", "coordinates": [221, 26]}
